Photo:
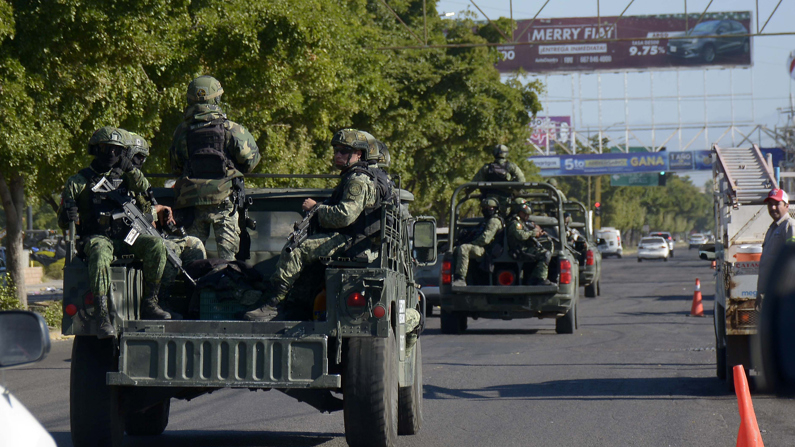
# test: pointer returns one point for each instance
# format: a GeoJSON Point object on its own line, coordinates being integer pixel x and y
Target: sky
{"type": "Point", "coordinates": [760, 92]}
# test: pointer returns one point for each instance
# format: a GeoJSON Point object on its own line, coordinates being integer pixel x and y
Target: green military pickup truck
{"type": "Point", "coordinates": [585, 246]}
{"type": "Point", "coordinates": [497, 287]}
{"type": "Point", "coordinates": [357, 345]}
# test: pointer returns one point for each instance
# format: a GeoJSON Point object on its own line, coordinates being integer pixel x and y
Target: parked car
{"type": "Point", "coordinates": [610, 244]}
{"type": "Point", "coordinates": [653, 248]}
{"type": "Point", "coordinates": [24, 339]}
{"type": "Point", "coordinates": [668, 239]}
{"type": "Point", "coordinates": [695, 240]}
{"type": "Point", "coordinates": [707, 251]}
{"type": "Point", "coordinates": [692, 45]}
{"type": "Point", "coordinates": [428, 276]}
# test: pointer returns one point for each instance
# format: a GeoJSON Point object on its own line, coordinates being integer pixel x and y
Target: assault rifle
{"type": "Point", "coordinates": [139, 224]}
{"type": "Point", "coordinates": [300, 230]}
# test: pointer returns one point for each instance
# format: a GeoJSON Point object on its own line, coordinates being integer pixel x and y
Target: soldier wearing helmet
{"type": "Point", "coordinates": [478, 241]}
{"type": "Point", "coordinates": [499, 170]}
{"type": "Point", "coordinates": [346, 220]}
{"type": "Point", "coordinates": [87, 200]}
{"type": "Point", "coordinates": [210, 154]}
{"type": "Point", "coordinates": [523, 243]}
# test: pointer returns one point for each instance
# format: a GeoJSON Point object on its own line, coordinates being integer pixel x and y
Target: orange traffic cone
{"type": "Point", "coordinates": [697, 309]}
{"type": "Point", "coordinates": [749, 435]}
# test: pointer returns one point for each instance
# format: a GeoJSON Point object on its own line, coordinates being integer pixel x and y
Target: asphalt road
{"type": "Point", "coordinates": [639, 372]}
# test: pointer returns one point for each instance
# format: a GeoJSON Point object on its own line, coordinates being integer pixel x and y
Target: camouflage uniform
{"type": "Point", "coordinates": [100, 249]}
{"type": "Point", "coordinates": [521, 243]}
{"type": "Point", "coordinates": [515, 174]}
{"type": "Point", "coordinates": [475, 249]}
{"type": "Point", "coordinates": [212, 200]}
{"type": "Point", "coordinates": [512, 174]}
{"type": "Point", "coordinates": [358, 194]}
{"type": "Point", "coordinates": [188, 248]}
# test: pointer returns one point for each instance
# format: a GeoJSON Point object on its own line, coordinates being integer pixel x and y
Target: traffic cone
{"type": "Point", "coordinates": [697, 309]}
{"type": "Point", "coordinates": [748, 435]}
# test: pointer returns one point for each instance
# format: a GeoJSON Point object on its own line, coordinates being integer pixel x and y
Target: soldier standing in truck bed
{"type": "Point", "coordinates": [211, 154]}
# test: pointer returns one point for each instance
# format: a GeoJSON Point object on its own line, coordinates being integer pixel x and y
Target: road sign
{"type": "Point", "coordinates": [643, 179]}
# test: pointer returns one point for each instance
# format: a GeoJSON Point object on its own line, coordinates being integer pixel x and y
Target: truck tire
{"type": "Point", "coordinates": [150, 422]}
{"type": "Point", "coordinates": [410, 398]}
{"type": "Point", "coordinates": [453, 322]}
{"type": "Point", "coordinates": [720, 346]}
{"type": "Point", "coordinates": [567, 323]}
{"type": "Point", "coordinates": [590, 290]}
{"type": "Point", "coordinates": [95, 408]}
{"type": "Point", "coordinates": [370, 391]}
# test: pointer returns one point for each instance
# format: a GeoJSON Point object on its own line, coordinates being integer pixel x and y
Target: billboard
{"type": "Point", "coordinates": [643, 42]}
{"type": "Point", "coordinates": [548, 129]}
{"type": "Point", "coordinates": [633, 162]}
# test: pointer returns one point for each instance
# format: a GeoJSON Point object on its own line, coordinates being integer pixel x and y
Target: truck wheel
{"type": "Point", "coordinates": [150, 422]}
{"type": "Point", "coordinates": [590, 290]}
{"type": "Point", "coordinates": [453, 322]}
{"type": "Point", "coordinates": [410, 398]}
{"type": "Point", "coordinates": [95, 408]}
{"type": "Point", "coordinates": [370, 391]}
{"type": "Point", "coordinates": [566, 323]}
{"type": "Point", "coordinates": [720, 362]}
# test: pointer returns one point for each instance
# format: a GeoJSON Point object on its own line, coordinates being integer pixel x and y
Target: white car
{"type": "Point", "coordinates": [653, 248]}
{"type": "Point", "coordinates": [695, 240]}
{"type": "Point", "coordinates": [24, 338]}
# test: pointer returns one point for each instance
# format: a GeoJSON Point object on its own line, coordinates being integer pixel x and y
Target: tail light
{"type": "Point", "coordinates": [447, 272]}
{"type": "Point", "coordinates": [356, 299]}
{"type": "Point", "coordinates": [70, 310]}
{"type": "Point", "coordinates": [589, 257]}
{"type": "Point", "coordinates": [505, 278]}
{"type": "Point", "coordinates": [379, 311]}
{"type": "Point", "coordinates": [565, 272]}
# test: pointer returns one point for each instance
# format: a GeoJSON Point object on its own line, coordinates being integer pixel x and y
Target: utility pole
{"type": "Point", "coordinates": [598, 199]}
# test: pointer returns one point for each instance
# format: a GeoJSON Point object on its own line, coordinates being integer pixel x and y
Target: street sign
{"type": "Point", "coordinates": [642, 179]}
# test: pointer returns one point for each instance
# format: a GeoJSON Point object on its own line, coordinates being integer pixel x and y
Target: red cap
{"type": "Point", "coordinates": [779, 195]}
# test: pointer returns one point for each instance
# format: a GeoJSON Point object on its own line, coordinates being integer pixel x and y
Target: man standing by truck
{"type": "Point", "coordinates": [780, 232]}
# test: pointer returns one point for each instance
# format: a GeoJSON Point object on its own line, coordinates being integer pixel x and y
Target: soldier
{"type": "Point", "coordinates": [571, 233]}
{"type": "Point", "coordinates": [347, 218]}
{"type": "Point", "coordinates": [500, 170]}
{"type": "Point", "coordinates": [85, 201]}
{"type": "Point", "coordinates": [523, 243]}
{"type": "Point", "coordinates": [211, 154]}
{"type": "Point", "coordinates": [188, 248]}
{"type": "Point", "coordinates": [482, 238]}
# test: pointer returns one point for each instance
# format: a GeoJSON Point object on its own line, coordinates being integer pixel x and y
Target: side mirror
{"type": "Point", "coordinates": [24, 338]}
{"type": "Point", "coordinates": [424, 240]}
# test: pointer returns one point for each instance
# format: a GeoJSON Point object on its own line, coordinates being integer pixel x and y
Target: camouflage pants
{"type": "Point", "coordinates": [462, 254]}
{"type": "Point", "coordinates": [100, 251]}
{"type": "Point", "coordinates": [541, 257]}
{"type": "Point", "coordinates": [412, 332]}
{"type": "Point", "coordinates": [224, 225]}
{"type": "Point", "coordinates": [311, 250]}
{"type": "Point", "coordinates": [188, 249]}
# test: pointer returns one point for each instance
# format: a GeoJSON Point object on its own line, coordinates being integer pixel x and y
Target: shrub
{"type": "Point", "coordinates": [8, 295]}
{"type": "Point", "coordinates": [52, 314]}
{"type": "Point", "coordinates": [55, 270]}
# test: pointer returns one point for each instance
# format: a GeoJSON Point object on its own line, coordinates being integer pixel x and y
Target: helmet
{"type": "Point", "coordinates": [384, 159]}
{"type": "Point", "coordinates": [520, 204]}
{"type": "Point", "coordinates": [357, 140]}
{"type": "Point", "coordinates": [138, 149]}
{"type": "Point", "coordinates": [106, 135]}
{"type": "Point", "coordinates": [489, 202]}
{"type": "Point", "coordinates": [500, 151]}
{"type": "Point", "coordinates": [553, 182]}
{"type": "Point", "coordinates": [204, 90]}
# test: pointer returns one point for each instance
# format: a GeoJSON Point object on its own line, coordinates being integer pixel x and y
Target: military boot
{"type": "Point", "coordinates": [150, 310]}
{"type": "Point", "coordinates": [270, 309]}
{"type": "Point", "coordinates": [105, 328]}
{"type": "Point", "coordinates": [459, 282]}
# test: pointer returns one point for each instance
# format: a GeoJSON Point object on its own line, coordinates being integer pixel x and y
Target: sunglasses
{"type": "Point", "coordinates": [109, 148]}
{"type": "Point", "coordinates": [343, 150]}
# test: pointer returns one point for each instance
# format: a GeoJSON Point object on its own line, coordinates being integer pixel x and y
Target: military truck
{"type": "Point", "coordinates": [356, 344]}
{"type": "Point", "coordinates": [588, 254]}
{"type": "Point", "coordinates": [497, 287]}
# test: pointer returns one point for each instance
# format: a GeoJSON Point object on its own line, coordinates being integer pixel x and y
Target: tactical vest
{"type": "Point", "coordinates": [497, 172]}
{"type": "Point", "coordinates": [369, 221]}
{"type": "Point", "coordinates": [207, 157]}
{"type": "Point", "coordinates": [475, 233]}
{"type": "Point", "coordinates": [100, 205]}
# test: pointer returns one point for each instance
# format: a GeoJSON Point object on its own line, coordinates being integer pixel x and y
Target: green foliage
{"type": "Point", "coordinates": [52, 313]}
{"type": "Point", "coordinates": [55, 270]}
{"type": "Point", "coordinates": [293, 73]}
{"type": "Point", "coordinates": [8, 294]}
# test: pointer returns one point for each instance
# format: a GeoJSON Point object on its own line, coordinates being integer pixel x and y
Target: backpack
{"type": "Point", "coordinates": [497, 172]}
{"type": "Point", "coordinates": [206, 155]}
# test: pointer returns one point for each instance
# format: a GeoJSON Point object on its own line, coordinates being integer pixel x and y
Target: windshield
{"type": "Point", "coordinates": [705, 27]}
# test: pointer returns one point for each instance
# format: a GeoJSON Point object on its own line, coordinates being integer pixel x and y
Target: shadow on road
{"type": "Point", "coordinates": [590, 389]}
{"type": "Point", "coordinates": [485, 332]}
{"type": "Point", "coordinates": [197, 438]}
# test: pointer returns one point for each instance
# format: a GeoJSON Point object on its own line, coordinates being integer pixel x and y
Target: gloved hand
{"type": "Point", "coordinates": [125, 164]}
{"type": "Point", "coordinates": [72, 214]}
